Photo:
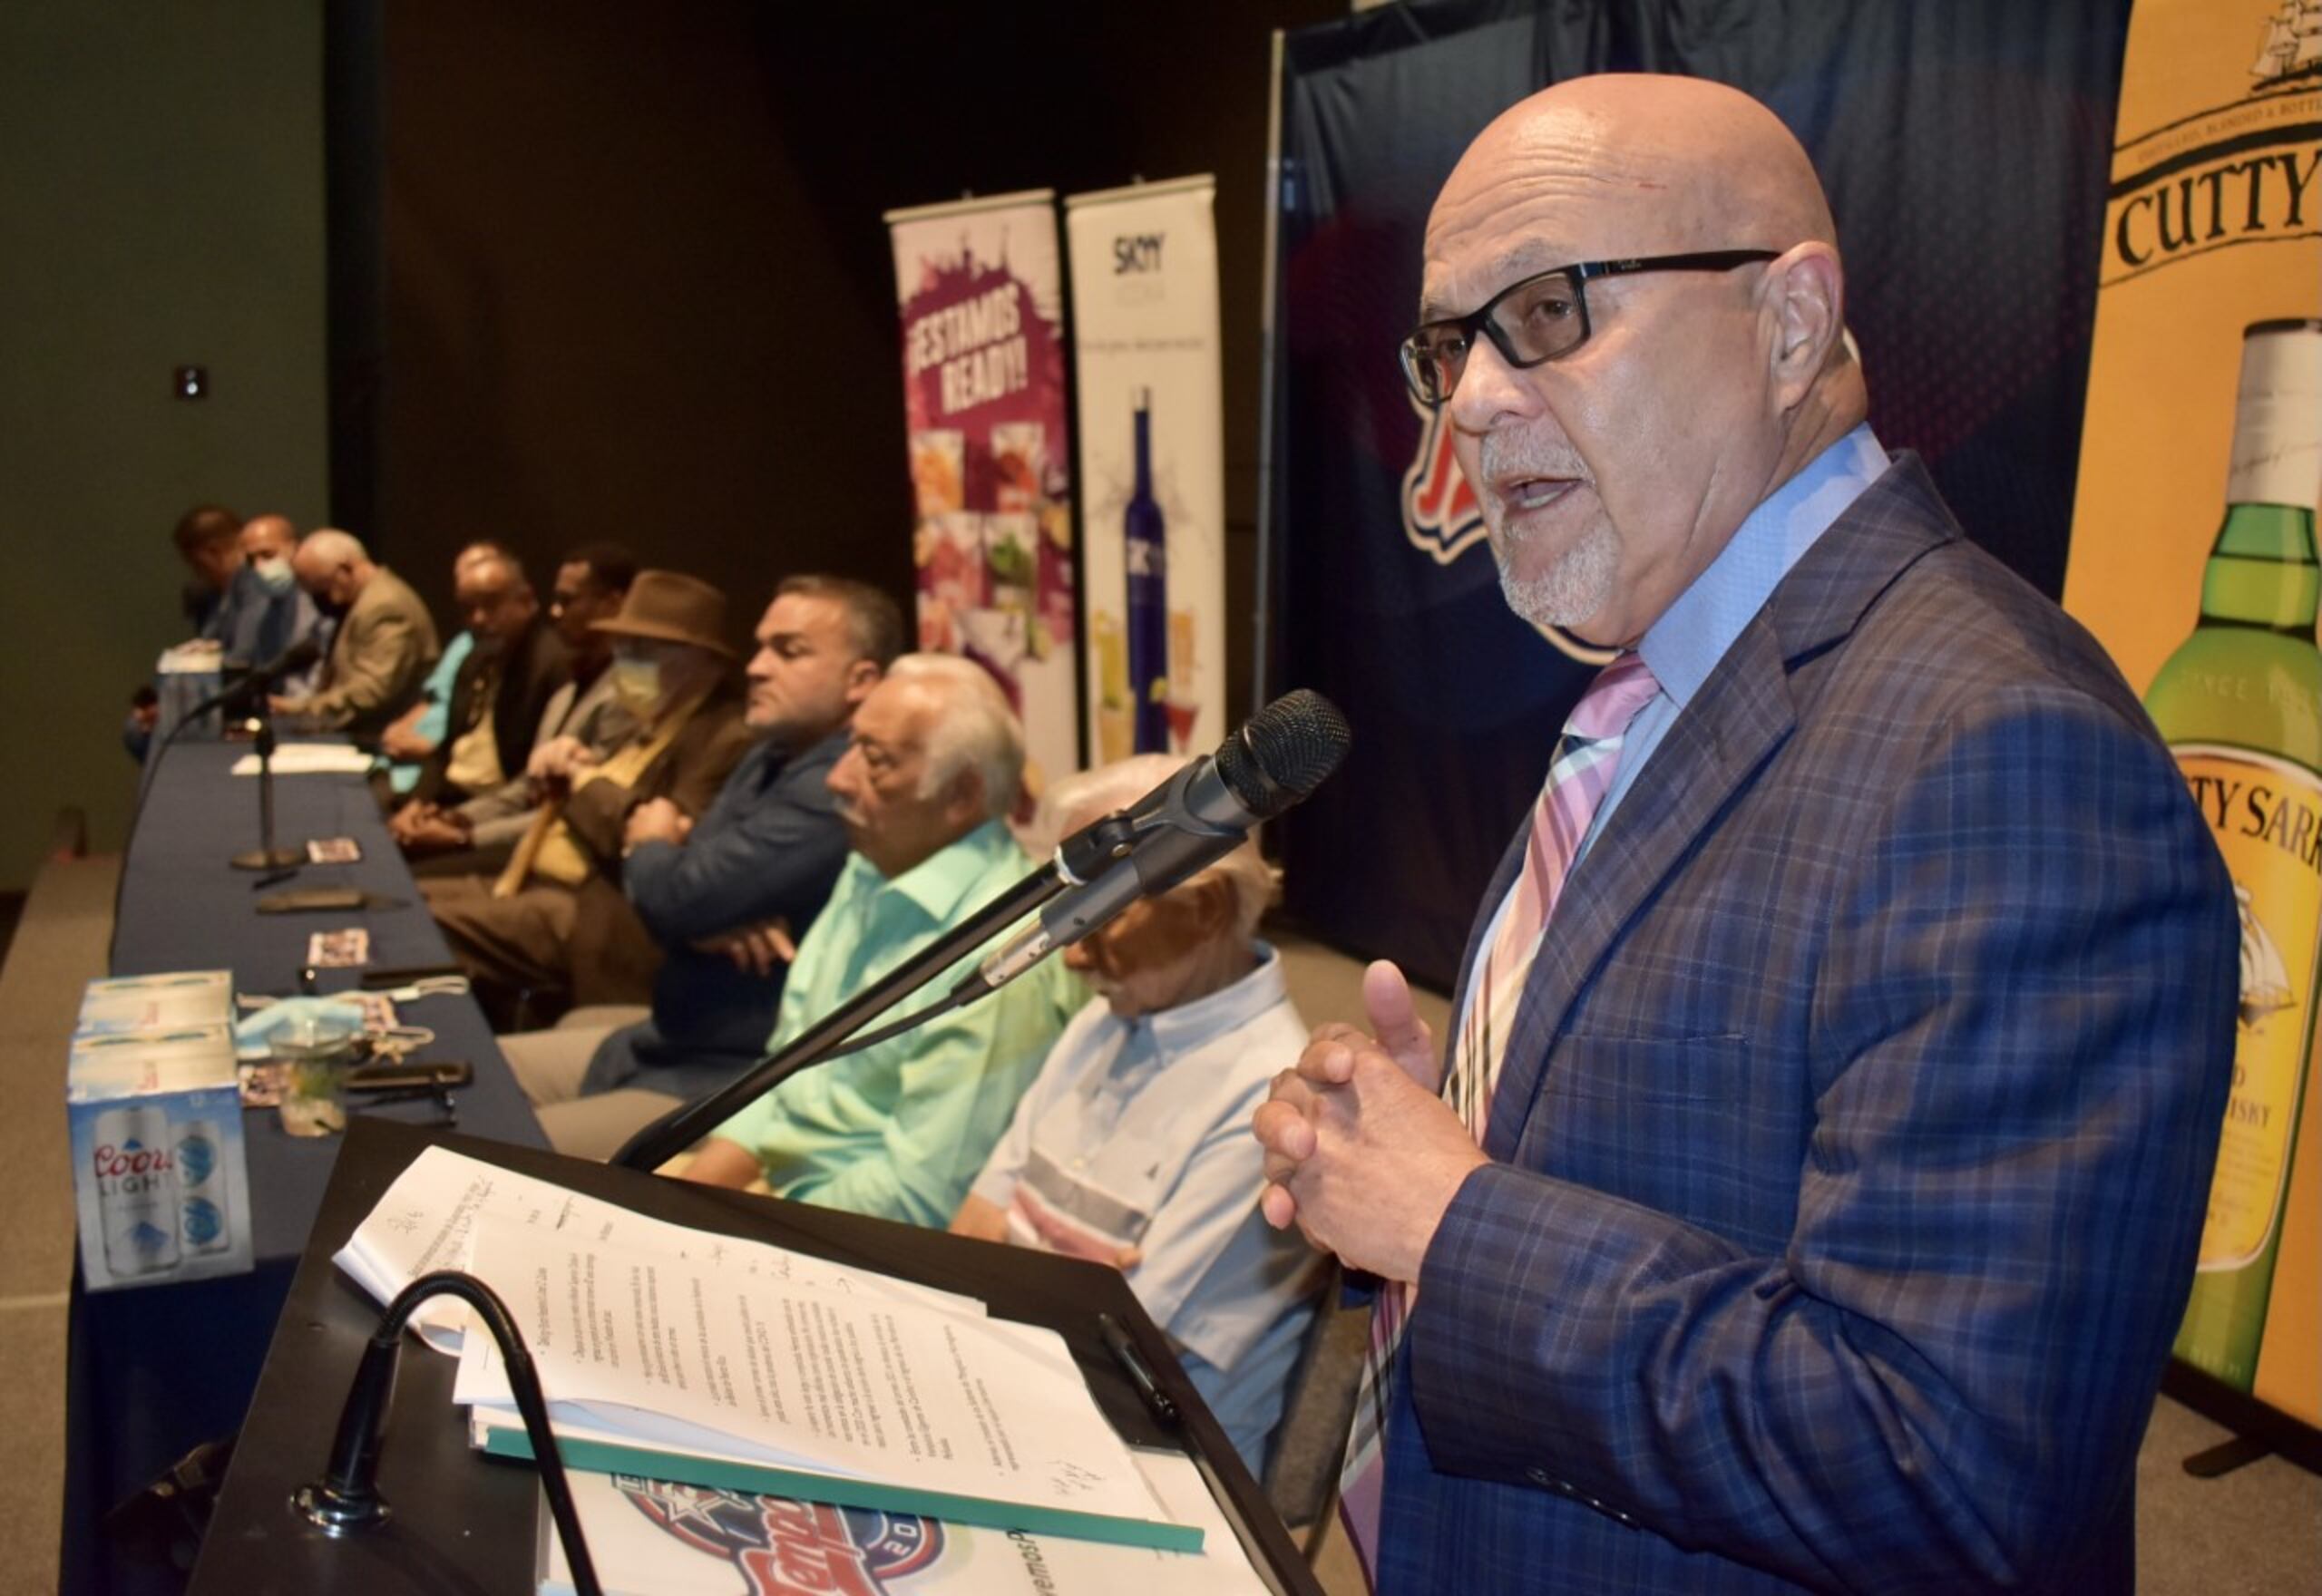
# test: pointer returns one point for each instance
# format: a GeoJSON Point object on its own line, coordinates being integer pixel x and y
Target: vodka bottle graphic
{"type": "Point", "coordinates": [1148, 563]}
{"type": "Point", "coordinates": [2240, 703]}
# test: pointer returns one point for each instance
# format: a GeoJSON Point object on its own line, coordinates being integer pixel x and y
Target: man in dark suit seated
{"type": "Point", "coordinates": [718, 898]}
{"type": "Point", "coordinates": [1821, 1147]}
{"type": "Point", "coordinates": [585, 716]}
{"type": "Point", "coordinates": [504, 685]}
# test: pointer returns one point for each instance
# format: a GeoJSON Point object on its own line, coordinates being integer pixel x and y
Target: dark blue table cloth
{"type": "Point", "coordinates": [157, 1370]}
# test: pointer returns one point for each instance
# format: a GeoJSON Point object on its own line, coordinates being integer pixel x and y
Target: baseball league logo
{"type": "Point", "coordinates": [786, 1547]}
{"type": "Point", "coordinates": [1443, 520]}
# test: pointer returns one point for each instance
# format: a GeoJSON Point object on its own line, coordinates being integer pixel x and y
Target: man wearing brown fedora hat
{"type": "Point", "coordinates": [554, 927]}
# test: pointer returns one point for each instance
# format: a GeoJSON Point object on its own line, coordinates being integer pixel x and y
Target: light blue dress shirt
{"type": "Point", "coordinates": [1136, 1133]}
{"type": "Point", "coordinates": [435, 720]}
{"type": "Point", "coordinates": [1693, 634]}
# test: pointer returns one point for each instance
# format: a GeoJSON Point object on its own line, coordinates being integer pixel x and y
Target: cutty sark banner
{"type": "Point", "coordinates": [2193, 559]}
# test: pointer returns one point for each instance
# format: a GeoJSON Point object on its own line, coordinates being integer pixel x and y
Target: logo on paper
{"type": "Point", "coordinates": [786, 1547]}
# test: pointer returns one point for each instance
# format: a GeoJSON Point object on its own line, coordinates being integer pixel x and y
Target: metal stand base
{"type": "Point", "coordinates": [268, 858]}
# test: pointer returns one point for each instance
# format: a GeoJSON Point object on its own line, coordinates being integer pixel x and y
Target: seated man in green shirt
{"type": "Point", "coordinates": [932, 767]}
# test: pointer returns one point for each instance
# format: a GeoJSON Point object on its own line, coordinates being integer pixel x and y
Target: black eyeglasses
{"type": "Point", "coordinates": [1535, 320]}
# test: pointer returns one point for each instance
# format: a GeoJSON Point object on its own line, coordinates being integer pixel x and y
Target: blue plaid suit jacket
{"type": "Point", "coordinates": [1852, 1145]}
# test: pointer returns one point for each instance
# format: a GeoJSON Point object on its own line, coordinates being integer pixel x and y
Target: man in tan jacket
{"type": "Point", "coordinates": [553, 927]}
{"type": "Point", "coordinates": [383, 648]}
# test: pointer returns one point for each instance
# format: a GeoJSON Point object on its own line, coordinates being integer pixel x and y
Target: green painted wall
{"type": "Point", "coordinates": [161, 204]}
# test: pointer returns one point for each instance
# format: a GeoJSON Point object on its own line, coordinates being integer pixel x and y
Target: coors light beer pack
{"type": "Point", "coordinates": [156, 1120]}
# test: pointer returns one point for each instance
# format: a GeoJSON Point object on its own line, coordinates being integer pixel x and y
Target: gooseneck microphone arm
{"type": "Point", "coordinates": [347, 1501]}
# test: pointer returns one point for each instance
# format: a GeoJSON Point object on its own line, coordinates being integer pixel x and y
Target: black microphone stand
{"type": "Point", "coordinates": [681, 1128]}
{"type": "Point", "coordinates": [265, 855]}
{"type": "Point", "coordinates": [345, 1501]}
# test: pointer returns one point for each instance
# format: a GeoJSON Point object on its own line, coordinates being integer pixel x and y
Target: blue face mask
{"type": "Point", "coordinates": [275, 573]}
{"type": "Point", "coordinates": [300, 1023]}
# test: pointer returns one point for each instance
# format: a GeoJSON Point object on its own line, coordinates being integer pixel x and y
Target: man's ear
{"type": "Point", "coordinates": [1808, 299]}
{"type": "Point", "coordinates": [862, 677]}
{"type": "Point", "coordinates": [1210, 899]}
{"type": "Point", "coordinates": [963, 803]}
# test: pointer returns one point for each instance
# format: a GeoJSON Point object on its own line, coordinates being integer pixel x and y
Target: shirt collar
{"type": "Point", "coordinates": [939, 882]}
{"type": "Point", "coordinates": [1693, 634]}
{"type": "Point", "coordinates": [1189, 1026]}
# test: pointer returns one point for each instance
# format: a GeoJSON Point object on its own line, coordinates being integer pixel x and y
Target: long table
{"type": "Point", "coordinates": [157, 1370]}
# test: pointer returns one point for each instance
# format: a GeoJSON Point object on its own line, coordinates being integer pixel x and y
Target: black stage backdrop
{"type": "Point", "coordinates": [1965, 148]}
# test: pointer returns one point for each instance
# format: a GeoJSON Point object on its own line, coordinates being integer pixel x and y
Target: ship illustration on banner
{"type": "Point", "coordinates": [2292, 47]}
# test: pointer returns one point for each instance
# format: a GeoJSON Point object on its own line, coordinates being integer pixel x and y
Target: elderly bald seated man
{"type": "Point", "coordinates": [385, 644]}
{"type": "Point", "coordinates": [1132, 1145]}
{"type": "Point", "coordinates": [934, 764]}
{"type": "Point", "coordinates": [1809, 1194]}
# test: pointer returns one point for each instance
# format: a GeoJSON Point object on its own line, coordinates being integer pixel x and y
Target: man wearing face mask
{"type": "Point", "coordinates": [553, 927]}
{"type": "Point", "coordinates": [1132, 1147]}
{"type": "Point", "coordinates": [385, 643]}
{"type": "Point", "coordinates": [718, 897]}
{"type": "Point", "coordinates": [266, 610]}
{"type": "Point", "coordinates": [246, 599]}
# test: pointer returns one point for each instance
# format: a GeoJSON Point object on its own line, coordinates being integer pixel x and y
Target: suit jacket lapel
{"type": "Point", "coordinates": [1740, 716]}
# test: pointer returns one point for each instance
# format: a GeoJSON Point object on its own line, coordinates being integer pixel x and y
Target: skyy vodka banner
{"type": "Point", "coordinates": [982, 292]}
{"type": "Point", "coordinates": [2193, 559]}
{"type": "Point", "coordinates": [1152, 465]}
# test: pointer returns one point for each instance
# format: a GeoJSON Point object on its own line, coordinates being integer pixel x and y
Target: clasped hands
{"type": "Point", "coordinates": [1362, 1154]}
{"type": "Point", "coordinates": [555, 763]}
{"type": "Point", "coordinates": [421, 827]}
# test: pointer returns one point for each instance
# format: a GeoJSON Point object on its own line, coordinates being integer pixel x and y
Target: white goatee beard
{"type": "Point", "coordinates": [1569, 591]}
{"type": "Point", "coordinates": [1580, 581]}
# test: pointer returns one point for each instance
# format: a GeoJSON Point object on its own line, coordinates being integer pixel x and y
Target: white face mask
{"type": "Point", "coordinates": [275, 573]}
{"type": "Point", "coordinates": [637, 683]}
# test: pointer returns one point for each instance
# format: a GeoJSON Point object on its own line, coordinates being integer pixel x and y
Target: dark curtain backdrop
{"type": "Point", "coordinates": [1964, 147]}
{"type": "Point", "coordinates": [636, 285]}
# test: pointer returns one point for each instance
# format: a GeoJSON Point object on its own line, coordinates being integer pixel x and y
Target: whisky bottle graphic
{"type": "Point", "coordinates": [2241, 703]}
{"type": "Point", "coordinates": [1147, 557]}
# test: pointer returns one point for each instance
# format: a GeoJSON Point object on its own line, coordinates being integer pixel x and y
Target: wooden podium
{"type": "Point", "coordinates": [464, 1523]}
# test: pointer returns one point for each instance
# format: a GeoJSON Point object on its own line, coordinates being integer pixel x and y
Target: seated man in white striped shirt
{"type": "Point", "coordinates": [1132, 1145]}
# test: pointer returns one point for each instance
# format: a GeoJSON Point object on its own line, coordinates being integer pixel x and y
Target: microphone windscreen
{"type": "Point", "coordinates": [1284, 752]}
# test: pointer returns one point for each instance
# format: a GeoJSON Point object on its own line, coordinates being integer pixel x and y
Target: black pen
{"type": "Point", "coordinates": [1140, 1373]}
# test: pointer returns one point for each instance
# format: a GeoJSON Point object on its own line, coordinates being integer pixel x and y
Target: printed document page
{"type": "Point", "coordinates": [426, 1222]}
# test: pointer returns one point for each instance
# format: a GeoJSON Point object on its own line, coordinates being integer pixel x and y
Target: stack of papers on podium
{"type": "Point", "coordinates": [734, 1366]}
{"type": "Point", "coordinates": [427, 1219]}
{"type": "Point", "coordinates": [309, 759]}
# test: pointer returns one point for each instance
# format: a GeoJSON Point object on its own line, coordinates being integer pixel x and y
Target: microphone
{"type": "Point", "coordinates": [289, 662]}
{"type": "Point", "coordinates": [1196, 817]}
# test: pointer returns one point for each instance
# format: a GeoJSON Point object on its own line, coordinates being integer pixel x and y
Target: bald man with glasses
{"type": "Point", "coordinates": [1807, 1196]}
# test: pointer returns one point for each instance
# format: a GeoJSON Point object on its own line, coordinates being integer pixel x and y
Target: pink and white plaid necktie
{"type": "Point", "coordinates": [1587, 757]}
